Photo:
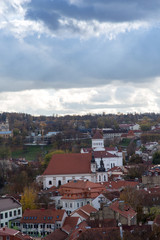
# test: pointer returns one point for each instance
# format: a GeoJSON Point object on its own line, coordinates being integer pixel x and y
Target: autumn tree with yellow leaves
{"type": "Point", "coordinates": [28, 199]}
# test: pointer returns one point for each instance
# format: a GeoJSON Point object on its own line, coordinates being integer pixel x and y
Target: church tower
{"type": "Point", "coordinates": [98, 142]}
{"type": "Point", "coordinates": [93, 164]}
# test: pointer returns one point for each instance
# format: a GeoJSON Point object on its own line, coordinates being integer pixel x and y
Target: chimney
{"type": "Point", "coordinates": [121, 205]}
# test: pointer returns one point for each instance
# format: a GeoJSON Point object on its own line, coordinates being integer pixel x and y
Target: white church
{"type": "Point", "coordinates": [111, 156]}
{"type": "Point", "coordinates": [91, 164]}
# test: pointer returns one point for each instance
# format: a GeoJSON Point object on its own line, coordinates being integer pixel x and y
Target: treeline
{"type": "Point", "coordinates": [25, 122]}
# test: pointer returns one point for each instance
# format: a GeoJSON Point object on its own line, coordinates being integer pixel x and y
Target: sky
{"type": "Point", "coordinates": [79, 56]}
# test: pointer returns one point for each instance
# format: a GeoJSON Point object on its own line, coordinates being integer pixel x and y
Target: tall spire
{"type": "Point", "coordinates": [93, 159]}
{"type": "Point", "coordinates": [102, 168]}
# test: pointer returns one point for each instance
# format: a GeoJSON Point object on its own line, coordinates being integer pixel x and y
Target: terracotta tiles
{"type": "Point", "coordinates": [42, 216]}
{"type": "Point", "coordinates": [97, 135]}
{"type": "Point", "coordinates": [127, 212]}
{"type": "Point", "coordinates": [70, 224]}
{"type": "Point", "coordinates": [57, 235]}
{"type": "Point", "coordinates": [69, 163]}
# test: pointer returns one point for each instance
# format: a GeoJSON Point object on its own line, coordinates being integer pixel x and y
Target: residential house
{"type": "Point", "coordinates": [120, 185]}
{"type": "Point", "coordinates": [12, 234]}
{"type": "Point", "coordinates": [117, 172]}
{"type": "Point", "coordinates": [83, 212]}
{"type": "Point", "coordinates": [40, 222]}
{"type": "Point", "coordinates": [10, 209]}
{"type": "Point", "coordinates": [78, 193]}
{"type": "Point", "coordinates": [117, 210]}
{"type": "Point", "coordinates": [152, 176]}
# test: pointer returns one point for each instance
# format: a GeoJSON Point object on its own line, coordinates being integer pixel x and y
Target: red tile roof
{"type": "Point", "coordinates": [69, 163]}
{"type": "Point", "coordinates": [74, 235]}
{"type": "Point", "coordinates": [97, 135]}
{"type": "Point", "coordinates": [84, 211]}
{"type": "Point", "coordinates": [8, 231]}
{"type": "Point", "coordinates": [79, 189]}
{"type": "Point", "coordinates": [99, 154]}
{"type": "Point", "coordinates": [42, 215]}
{"type": "Point", "coordinates": [58, 234]}
{"type": "Point", "coordinates": [103, 154]}
{"type": "Point", "coordinates": [70, 224]}
{"type": "Point", "coordinates": [127, 212]}
{"type": "Point", "coordinates": [120, 184]}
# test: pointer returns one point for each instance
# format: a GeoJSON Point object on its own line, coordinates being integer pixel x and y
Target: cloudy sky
{"type": "Point", "coordinates": [79, 56]}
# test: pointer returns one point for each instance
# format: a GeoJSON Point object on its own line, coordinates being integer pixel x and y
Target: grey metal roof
{"type": "Point", "coordinates": [8, 203]}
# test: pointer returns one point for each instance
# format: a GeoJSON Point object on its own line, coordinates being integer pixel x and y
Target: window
{"type": "Point", "coordinates": [99, 178]}
{"type": "Point", "coordinates": [78, 204]}
{"type": "Point", "coordinates": [10, 214]}
{"type": "Point", "coordinates": [35, 225]}
{"type": "Point", "coordinates": [6, 215]}
{"type": "Point", "coordinates": [15, 213]}
{"type": "Point", "coordinates": [65, 204]}
{"type": "Point", "coordinates": [1, 215]}
{"type": "Point", "coordinates": [1, 225]}
{"type": "Point", "coordinates": [104, 178]}
{"type": "Point", "coordinates": [8, 238]}
{"type": "Point", "coordinates": [81, 204]}
{"type": "Point", "coordinates": [6, 224]}
{"type": "Point", "coordinates": [70, 205]}
{"type": "Point", "coordinates": [59, 183]}
{"type": "Point", "coordinates": [19, 211]}
{"type": "Point", "coordinates": [50, 182]}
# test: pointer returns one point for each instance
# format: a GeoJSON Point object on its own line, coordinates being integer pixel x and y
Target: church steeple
{"type": "Point", "coordinates": [93, 158]}
{"type": "Point", "coordinates": [102, 168]}
{"type": "Point", "coordinates": [93, 163]}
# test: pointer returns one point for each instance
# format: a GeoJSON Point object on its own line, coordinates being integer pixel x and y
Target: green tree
{"type": "Point", "coordinates": [49, 155]}
{"type": "Point", "coordinates": [156, 157]}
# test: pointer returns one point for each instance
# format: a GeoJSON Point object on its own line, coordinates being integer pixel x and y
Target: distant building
{"type": "Point", "coordinates": [4, 129]}
{"type": "Point", "coordinates": [152, 176]}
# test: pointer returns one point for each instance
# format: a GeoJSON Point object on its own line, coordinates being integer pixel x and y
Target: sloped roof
{"type": "Point", "coordinates": [75, 233]}
{"type": "Point", "coordinates": [7, 203]}
{"type": "Point", "coordinates": [79, 189]}
{"type": "Point", "coordinates": [70, 224]}
{"type": "Point", "coordinates": [8, 231]}
{"type": "Point", "coordinates": [97, 135]}
{"type": "Point", "coordinates": [69, 163]}
{"type": "Point", "coordinates": [84, 211]}
{"type": "Point", "coordinates": [127, 212]}
{"type": "Point", "coordinates": [58, 234]}
{"type": "Point", "coordinates": [120, 184]}
{"type": "Point", "coordinates": [42, 215]}
{"type": "Point", "coordinates": [81, 184]}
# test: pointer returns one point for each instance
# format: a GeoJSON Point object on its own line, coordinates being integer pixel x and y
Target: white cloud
{"type": "Point", "coordinates": [81, 101]}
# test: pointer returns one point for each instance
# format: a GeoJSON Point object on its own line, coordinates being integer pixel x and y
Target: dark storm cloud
{"type": "Point", "coordinates": [50, 11]}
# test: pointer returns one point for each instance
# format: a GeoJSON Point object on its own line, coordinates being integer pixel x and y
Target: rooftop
{"type": "Point", "coordinates": [42, 215]}
{"type": "Point", "coordinates": [69, 163]}
{"type": "Point", "coordinates": [7, 203]}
